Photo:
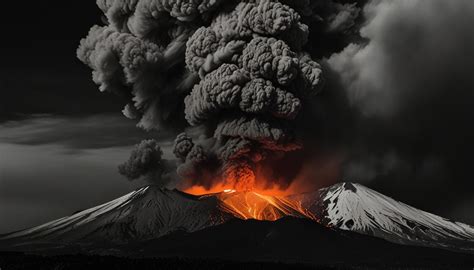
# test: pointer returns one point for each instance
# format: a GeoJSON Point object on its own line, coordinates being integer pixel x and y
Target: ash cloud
{"type": "Point", "coordinates": [411, 86]}
{"type": "Point", "coordinates": [146, 162]}
{"type": "Point", "coordinates": [374, 91]}
{"type": "Point", "coordinates": [241, 72]}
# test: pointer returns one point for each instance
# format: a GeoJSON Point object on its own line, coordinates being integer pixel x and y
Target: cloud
{"type": "Point", "coordinates": [416, 50]}
{"type": "Point", "coordinates": [412, 87]}
{"type": "Point", "coordinates": [75, 133]}
{"type": "Point", "coordinates": [146, 162]}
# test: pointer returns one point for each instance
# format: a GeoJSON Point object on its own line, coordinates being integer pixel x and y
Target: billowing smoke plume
{"type": "Point", "coordinates": [238, 71]}
{"type": "Point", "coordinates": [145, 161]}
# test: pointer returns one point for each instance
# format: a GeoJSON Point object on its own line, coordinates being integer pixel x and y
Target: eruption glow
{"type": "Point", "coordinates": [261, 186]}
{"type": "Point", "coordinates": [253, 205]}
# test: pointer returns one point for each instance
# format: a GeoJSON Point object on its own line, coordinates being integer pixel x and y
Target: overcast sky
{"type": "Point", "coordinates": [61, 139]}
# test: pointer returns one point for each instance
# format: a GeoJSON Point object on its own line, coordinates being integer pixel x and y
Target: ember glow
{"type": "Point", "coordinates": [261, 187]}
{"type": "Point", "coordinates": [260, 203]}
{"type": "Point", "coordinates": [253, 205]}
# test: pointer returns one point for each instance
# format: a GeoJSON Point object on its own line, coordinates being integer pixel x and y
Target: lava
{"type": "Point", "coordinates": [263, 186]}
{"type": "Point", "coordinates": [264, 200]}
{"type": "Point", "coordinates": [269, 204]}
{"type": "Point", "coordinates": [253, 205]}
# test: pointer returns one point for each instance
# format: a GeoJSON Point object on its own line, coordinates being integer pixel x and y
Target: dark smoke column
{"type": "Point", "coordinates": [235, 69]}
{"type": "Point", "coordinates": [253, 77]}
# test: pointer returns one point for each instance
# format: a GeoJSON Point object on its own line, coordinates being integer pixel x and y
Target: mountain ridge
{"type": "Point", "coordinates": [354, 207]}
{"type": "Point", "coordinates": [151, 212]}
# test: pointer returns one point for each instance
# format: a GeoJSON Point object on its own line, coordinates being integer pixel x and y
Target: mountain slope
{"type": "Point", "coordinates": [146, 213]}
{"type": "Point", "coordinates": [357, 208]}
{"type": "Point", "coordinates": [151, 212]}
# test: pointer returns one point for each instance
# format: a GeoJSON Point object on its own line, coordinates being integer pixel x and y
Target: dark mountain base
{"type": "Point", "coordinates": [19, 261]}
{"type": "Point", "coordinates": [239, 244]}
{"type": "Point", "coordinates": [14, 261]}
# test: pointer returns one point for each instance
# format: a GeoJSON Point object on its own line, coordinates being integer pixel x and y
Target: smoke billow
{"type": "Point", "coordinates": [243, 73]}
{"type": "Point", "coordinates": [145, 161]}
{"type": "Point", "coordinates": [411, 84]}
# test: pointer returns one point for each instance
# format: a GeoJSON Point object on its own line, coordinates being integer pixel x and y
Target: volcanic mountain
{"type": "Point", "coordinates": [151, 214]}
{"type": "Point", "coordinates": [354, 207]}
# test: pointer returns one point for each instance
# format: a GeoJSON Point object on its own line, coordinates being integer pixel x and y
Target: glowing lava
{"type": "Point", "coordinates": [264, 202]}
{"type": "Point", "coordinates": [256, 205]}
{"type": "Point", "coordinates": [253, 205]}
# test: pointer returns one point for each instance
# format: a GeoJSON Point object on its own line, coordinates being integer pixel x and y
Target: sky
{"type": "Point", "coordinates": [410, 82]}
{"type": "Point", "coordinates": [60, 138]}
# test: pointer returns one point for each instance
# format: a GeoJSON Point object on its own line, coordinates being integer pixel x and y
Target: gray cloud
{"type": "Point", "coordinates": [146, 162]}
{"type": "Point", "coordinates": [416, 50]}
{"type": "Point", "coordinates": [238, 69]}
{"type": "Point", "coordinates": [412, 86]}
{"type": "Point", "coordinates": [75, 133]}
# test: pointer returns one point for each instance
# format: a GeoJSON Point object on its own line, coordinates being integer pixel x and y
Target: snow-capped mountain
{"type": "Point", "coordinates": [151, 213]}
{"type": "Point", "coordinates": [146, 213]}
{"type": "Point", "coordinates": [353, 207]}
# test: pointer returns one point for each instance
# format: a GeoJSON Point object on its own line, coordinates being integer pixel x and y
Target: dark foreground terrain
{"type": "Point", "coordinates": [288, 243]}
{"type": "Point", "coordinates": [15, 261]}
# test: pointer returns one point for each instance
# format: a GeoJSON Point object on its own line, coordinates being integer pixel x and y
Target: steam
{"type": "Point", "coordinates": [237, 71]}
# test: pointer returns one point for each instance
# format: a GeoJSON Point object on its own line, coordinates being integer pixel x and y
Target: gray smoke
{"type": "Point", "coordinates": [236, 70]}
{"type": "Point", "coordinates": [145, 161]}
{"type": "Point", "coordinates": [412, 85]}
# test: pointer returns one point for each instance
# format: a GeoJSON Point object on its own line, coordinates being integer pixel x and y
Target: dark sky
{"type": "Point", "coordinates": [61, 139]}
{"type": "Point", "coordinates": [40, 71]}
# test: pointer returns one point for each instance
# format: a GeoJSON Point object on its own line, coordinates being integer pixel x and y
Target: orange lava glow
{"type": "Point", "coordinates": [261, 203]}
{"type": "Point", "coordinates": [272, 191]}
{"type": "Point", "coordinates": [253, 205]}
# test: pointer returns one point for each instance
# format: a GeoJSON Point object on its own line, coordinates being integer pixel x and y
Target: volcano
{"type": "Point", "coordinates": [151, 212]}
{"type": "Point", "coordinates": [154, 221]}
{"type": "Point", "coordinates": [354, 207]}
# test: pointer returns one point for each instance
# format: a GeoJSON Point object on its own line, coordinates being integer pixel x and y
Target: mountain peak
{"type": "Point", "coordinates": [146, 213]}
{"type": "Point", "coordinates": [354, 207]}
{"type": "Point", "coordinates": [151, 212]}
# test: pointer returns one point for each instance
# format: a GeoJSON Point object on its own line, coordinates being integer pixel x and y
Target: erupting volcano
{"type": "Point", "coordinates": [153, 213]}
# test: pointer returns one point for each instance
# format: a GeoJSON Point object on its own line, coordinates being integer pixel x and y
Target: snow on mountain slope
{"type": "Point", "coordinates": [151, 212]}
{"type": "Point", "coordinates": [357, 208]}
{"type": "Point", "coordinates": [146, 213]}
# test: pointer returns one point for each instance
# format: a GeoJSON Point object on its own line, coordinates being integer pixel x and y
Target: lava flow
{"type": "Point", "coordinates": [253, 205]}
{"type": "Point", "coordinates": [259, 206]}
{"type": "Point", "coordinates": [262, 200]}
